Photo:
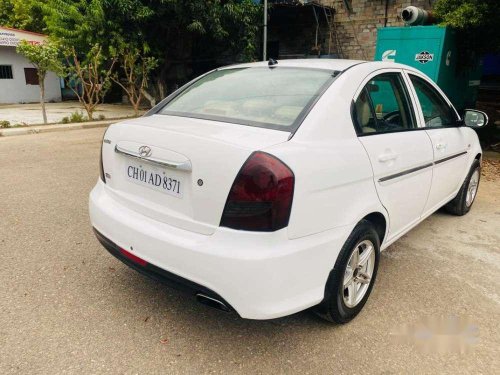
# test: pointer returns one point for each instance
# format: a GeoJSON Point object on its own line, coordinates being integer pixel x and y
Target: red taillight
{"type": "Point", "coordinates": [261, 196]}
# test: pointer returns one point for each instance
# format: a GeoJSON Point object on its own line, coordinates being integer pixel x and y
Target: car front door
{"type": "Point", "coordinates": [400, 153]}
{"type": "Point", "coordinates": [449, 142]}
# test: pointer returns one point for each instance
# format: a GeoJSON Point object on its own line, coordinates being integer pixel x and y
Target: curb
{"type": "Point", "coordinates": [55, 128]}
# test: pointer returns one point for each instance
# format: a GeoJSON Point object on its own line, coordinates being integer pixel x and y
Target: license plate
{"type": "Point", "coordinates": [157, 178]}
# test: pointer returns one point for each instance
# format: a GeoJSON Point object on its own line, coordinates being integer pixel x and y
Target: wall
{"type": "Point", "coordinates": [357, 32]}
{"type": "Point", "coordinates": [16, 90]}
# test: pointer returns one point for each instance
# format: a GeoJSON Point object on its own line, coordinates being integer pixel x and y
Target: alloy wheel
{"type": "Point", "coordinates": [358, 274]}
{"type": "Point", "coordinates": [472, 188]}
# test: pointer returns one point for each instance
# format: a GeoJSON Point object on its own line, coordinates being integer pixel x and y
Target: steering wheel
{"type": "Point", "coordinates": [391, 121]}
{"type": "Point", "coordinates": [392, 118]}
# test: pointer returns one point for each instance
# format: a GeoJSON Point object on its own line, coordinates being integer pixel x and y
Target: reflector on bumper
{"type": "Point", "coordinates": [133, 258]}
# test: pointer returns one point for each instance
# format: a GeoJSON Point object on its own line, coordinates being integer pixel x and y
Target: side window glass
{"type": "Point", "coordinates": [383, 106]}
{"type": "Point", "coordinates": [437, 112]}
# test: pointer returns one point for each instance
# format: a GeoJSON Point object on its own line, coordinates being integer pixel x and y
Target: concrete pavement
{"type": "Point", "coordinates": [37, 129]}
{"type": "Point", "coordinates": [67, 306]}
{"type": "Point", "coordinates": [31, 114]}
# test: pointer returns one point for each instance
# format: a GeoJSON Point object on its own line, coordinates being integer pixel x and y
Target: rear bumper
{"type": "Point", "coordinates": [159, 274]}
{"type": "Point", "coordinates": [259, 275]}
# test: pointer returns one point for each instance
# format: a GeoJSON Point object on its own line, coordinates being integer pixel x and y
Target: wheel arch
{"type": "Point", "coordinates": [379, 221]}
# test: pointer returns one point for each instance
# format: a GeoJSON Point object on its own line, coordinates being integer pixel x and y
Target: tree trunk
{"type": "Point", "coordinates": [150, 98]}
{"type": "Point", "coordinates": [90, 113]}
{"type": "Point", "coordinates": [42, 98]}
{"type": "Point", "coordinates": [161, 90]}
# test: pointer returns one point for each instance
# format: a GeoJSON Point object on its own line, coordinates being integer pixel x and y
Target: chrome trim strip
{"type": "Point", "coordinates": [412, 170]}
{"type": "Point", "coordinates": [408, 171]}
{"type": "Point", "coordinates": [183, 166]}
{"type": "Point", "coordinates": [450, 157]}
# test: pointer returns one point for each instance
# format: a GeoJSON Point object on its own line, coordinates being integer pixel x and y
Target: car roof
{"type": "Point", "coordinates": [330, 64]}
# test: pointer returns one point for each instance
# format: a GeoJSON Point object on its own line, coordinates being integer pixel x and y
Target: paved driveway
{"type": "Point", "coordinates": [67, 306]}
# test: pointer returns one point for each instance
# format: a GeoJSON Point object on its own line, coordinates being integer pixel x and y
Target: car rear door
{"type": "Point", "coordinates": [400, 153]}
{"type": "Point", "coordinates": [450, 145]}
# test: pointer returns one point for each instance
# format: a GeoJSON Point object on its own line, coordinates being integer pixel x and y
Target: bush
{"type": "Point", "coordinates": [77, 117]}
{"type": "Point", "coordinates": [74, 117]}
{"type": "Point", "coordinates": [4, 124]}
{"type": "Point", "coordinates": [101, 117]}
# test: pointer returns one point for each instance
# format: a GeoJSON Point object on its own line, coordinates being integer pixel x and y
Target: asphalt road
{"type": "Point", "coordinates": [67, 306]}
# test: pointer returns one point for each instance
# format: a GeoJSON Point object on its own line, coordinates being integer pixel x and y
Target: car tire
{"type": "Point", "coordinates": [462, 203]}
{"type": "Point", "coordinates": [339, 304]}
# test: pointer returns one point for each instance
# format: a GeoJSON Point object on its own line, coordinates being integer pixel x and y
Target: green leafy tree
{"type": "Point", "coordinates": [476, 20]}
{"type": "Point", "coordinates": [45, 57]}
{"type": "Point", "coordinates": [176, 32]}
{"type": "Point", "coordinates": [186, 37]}
{"type": "Point", "coordinates": [189, 37]}
{"type": "Point", "coordinates": [135, 69]}
{"type": "Point", "coordinates": [22, 14]}
{"type": "Point", "coordinates": [78, 24]}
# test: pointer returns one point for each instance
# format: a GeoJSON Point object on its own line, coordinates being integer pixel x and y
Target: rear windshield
{"type": "Point", "coordinates": [275, 98]}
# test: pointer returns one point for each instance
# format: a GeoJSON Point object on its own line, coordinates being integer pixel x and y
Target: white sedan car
{"type": "Point", "coordinates": [269, 188]}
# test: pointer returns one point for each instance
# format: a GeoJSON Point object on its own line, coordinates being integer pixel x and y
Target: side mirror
{"type": "Point", "coordinates": [475, 119]}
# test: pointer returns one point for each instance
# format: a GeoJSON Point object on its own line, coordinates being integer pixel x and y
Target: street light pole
{"type": "Point", "coordinates": [264, 42]}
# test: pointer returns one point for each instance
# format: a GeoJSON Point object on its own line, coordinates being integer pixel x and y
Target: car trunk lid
{"type": "Point", "coordinates": [179, 170]}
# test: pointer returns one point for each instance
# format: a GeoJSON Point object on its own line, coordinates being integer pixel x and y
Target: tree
{"type": "Point", "coordinates": [187, 37]}
{"type": "Point", "coordinates": [21, 14]}
{"type": "Point", "coordinates": [476, 20]}
{"type": "Point", "coordinates": [81, 24]}
{"type": "Point", "coordinates": [45, 57]}
{"type": "Point", "coordinates": [136, 68]}
{"type": "Point", "coordinates": [93, 73]}
{"type": "Point", "coordinates": [200, 33]}
{"type": "Point", "coordinates": [176, 32]}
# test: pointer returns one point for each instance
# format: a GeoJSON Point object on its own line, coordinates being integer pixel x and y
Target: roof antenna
{"type": "Point", "coordinates": [272, 62]}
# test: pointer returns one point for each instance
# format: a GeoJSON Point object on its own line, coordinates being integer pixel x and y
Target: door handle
{"type": "Point", "coordinates": [387, 157]}
{"type": "Point", "coordinates": [441, 146]}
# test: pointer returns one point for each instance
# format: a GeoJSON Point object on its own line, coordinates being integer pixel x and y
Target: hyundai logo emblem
{"type": "Point", "coordinates": [145, 151]}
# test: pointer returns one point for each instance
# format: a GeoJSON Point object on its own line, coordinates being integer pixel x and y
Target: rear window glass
{"type": "Point", "coordinates": [271, 98]}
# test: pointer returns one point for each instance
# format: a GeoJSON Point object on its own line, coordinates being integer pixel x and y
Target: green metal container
{"type": "Point", "coordinates": [434, 50]}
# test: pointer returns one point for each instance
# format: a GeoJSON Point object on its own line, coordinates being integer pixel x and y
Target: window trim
{"type": "Point", "coordinates": [442, 95]}
{"type": "Point", "coordinates": [408, 97]}
{"type": "Point", "coordinates": [11, 71]}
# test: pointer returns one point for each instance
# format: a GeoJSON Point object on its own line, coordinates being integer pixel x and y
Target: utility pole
{"type": "Point", "coordinates": [264, 42]}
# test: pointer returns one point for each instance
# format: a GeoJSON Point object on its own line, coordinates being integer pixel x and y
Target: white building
{"type": "Point", "coordinates": [18, 77]}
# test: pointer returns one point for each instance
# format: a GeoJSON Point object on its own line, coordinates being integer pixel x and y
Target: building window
{"type": "Point", "coordinates": [6, 72]}
{"type": "Point", "coordinates": [31, 75]}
